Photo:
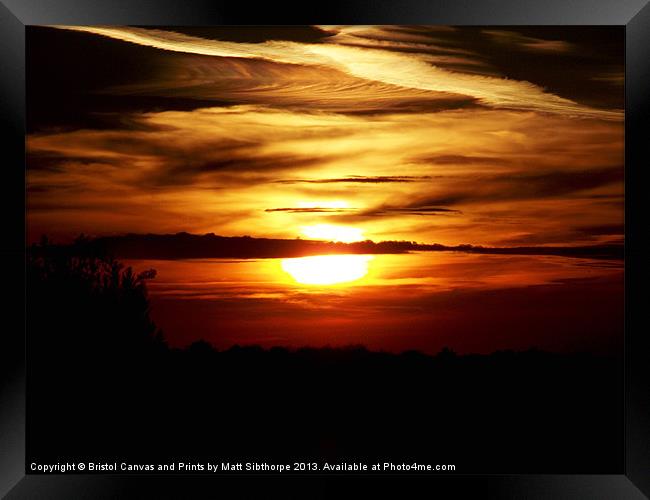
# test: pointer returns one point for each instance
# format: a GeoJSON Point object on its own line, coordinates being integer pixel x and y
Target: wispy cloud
{"type": "Point", "coordinates": [322, 130]}
{"type": "Point", "coordinates": [406, 70]}
{"type": "Point", "coordinates": [614, 78]}
{"type": "Point", "coordinates": [312, 210]}
{"type": "Point", "coordinates": [470, 172]}
{"type": "Point", "coordinates": [359, 179]}
{"type": "Point", "coordinates": [523, 42]}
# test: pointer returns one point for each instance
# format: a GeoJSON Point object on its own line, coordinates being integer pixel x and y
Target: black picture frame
{"type": "Point", "coordinates": [15, 15]}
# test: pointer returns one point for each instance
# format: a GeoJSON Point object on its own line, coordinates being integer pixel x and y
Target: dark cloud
{"type": "Point", "coordinates": [59, 186]}
{"type": "Point", "coordinates": [460, 160]}
{"type": "Point", "coordinates": [589, 52]}
{"type": "Point", "coordinates": [174, 172]}
{"type": "Point", "coordinates": [359, 179]}
{"type": "Point", "coordinates": [45, 160]}
{"type": "Point", "coordinates": [415, 210]}
{"type": "Point", "coordinates": [215, 162]}
{"type": "Point", "coordinates": [69, 72]}
{"type": "Point", "coordinates": [558, 183]}
{"type": "Point", "coordinates": [53, 161]}
{"type": "Point", "coordinates": [529, 43]}
{"type": "Point", "coordinates": [521, 186]}
{"type": "Point", "coordinates": [513, 186]}
{"type": "Point", "coordinates": [315, 210]}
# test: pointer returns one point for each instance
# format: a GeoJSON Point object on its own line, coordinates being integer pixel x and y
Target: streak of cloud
{"type": "Point", "coordinates": [528, 42]}
{"type": "Point", "coordinates": [394, 68]}
{"type": "Point", "coordinates": [360, 179]}
{"type": "Point", "coordinates": [314, 210]}
{"type": "Point", "coordinates": [217, 169]}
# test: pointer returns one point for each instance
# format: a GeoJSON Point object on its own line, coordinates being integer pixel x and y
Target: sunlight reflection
{"type": "Point", "coordinates": [327, 269]}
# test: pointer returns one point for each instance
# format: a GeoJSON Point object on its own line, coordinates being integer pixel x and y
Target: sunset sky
{"type": "Point", "coordinates": [494, 136]}
{"type": "Point", "coordinates": [450, 135]}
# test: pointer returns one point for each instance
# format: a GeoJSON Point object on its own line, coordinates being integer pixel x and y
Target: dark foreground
{"type": "Point", "coordinates": [104, 387]}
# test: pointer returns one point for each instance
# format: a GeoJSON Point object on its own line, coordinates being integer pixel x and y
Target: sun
{"type": "Point", "coordinates": [327, 269]}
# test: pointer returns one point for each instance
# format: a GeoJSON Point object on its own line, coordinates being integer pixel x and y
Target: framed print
{"type": "Point", "coordinates": [352, 241]}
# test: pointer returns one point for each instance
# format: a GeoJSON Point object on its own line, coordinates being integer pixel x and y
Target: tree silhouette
{"type": "Point", "coordinates": [92, 299]}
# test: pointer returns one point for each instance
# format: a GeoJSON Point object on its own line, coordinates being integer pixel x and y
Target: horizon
{"type": "Point", "coordinates": [177, 245]}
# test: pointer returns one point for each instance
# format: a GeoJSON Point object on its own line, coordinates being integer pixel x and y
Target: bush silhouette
{"type": "Point", "coordinates": [93, 301]}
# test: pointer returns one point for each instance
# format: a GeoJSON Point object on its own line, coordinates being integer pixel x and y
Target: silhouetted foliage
{"type": "Point", "coordinates": [90, 297]}
{"type": "Point", "coordinates": [104, 386]}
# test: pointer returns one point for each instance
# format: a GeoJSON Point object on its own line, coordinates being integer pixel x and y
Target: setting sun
{"type": "Point", "coordinates": [327, 269]}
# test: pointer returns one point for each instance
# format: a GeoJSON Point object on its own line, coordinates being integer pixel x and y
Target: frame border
{"type": "Point", "coordinates": [634, 15]}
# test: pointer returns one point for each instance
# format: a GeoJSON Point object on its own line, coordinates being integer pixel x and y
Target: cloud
{"type": "Point", "coordinates": [403, 39]}
{"type": "Point", "coordinates": [359, 179]}
{"type": "Point", "coordinates": [477, 173]}
{"type": "Point", "coordinates": [529, 43]}
{"type": "Point", "coordinates": [616, 78]}
{"type": "Point", "coordinates": [166, 155]}
{"type": "Point", "coordinates": [483, 189]}
{"type": "Point", "coordinates": [414, 209]}
{"type": "Point", "coordinates": [522, 185]}
{"type": "Point", "coordinates": [227, 80]}
{"type": "Point", "coordinates": [314, 210]}
{"type": "Point", "coordinates": [459, 159]}
{"type": "Point", "coordinates": [409, 71]}
{"type": "Point", "coordinates": [601, 234]}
